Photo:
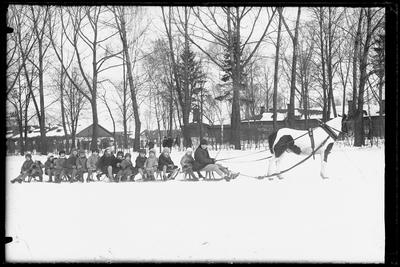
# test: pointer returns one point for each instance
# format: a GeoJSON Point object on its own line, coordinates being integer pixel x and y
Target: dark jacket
{"type": "Point", "coordinates": [140, 162]}
{"type": "Point", "coordinates": [60, 163]}
{"type": "Point", "coordinates": [105, 161]}
{"type": "Point", "coordinates": [26, 166]}
{"type": "Point", "coordinates": [116, 164]}
{"type": "Point", "coordinates": [201, 159]}
{"type": "Point", "coordinates": [164, 161]}
{"type": "Point", "coordinates": [37, 168]}
{"type": "Point", "coordinates": [126, 164]}
{"type": "Point", "coordinates": [49, 164]}
{"type": "Point", "coordinates": [71, 162]}
{"type": "Point", "coordinates": [81, 163]}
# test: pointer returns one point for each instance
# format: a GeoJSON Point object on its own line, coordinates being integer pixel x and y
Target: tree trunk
{"type": "Point", "coordinates": [324, 109]}
{"type": "Point", "coordinates": [355, 60]}
{"type": "Point", "coordinates": [275, 95]}
{"type": "Point", "coordinates": [93, 144]}
{"type": "Point", "coordinates": [359, 126]}
{"type": "Point", "coordinates": [136, 144]}
{"type": "Point", "coordinates": [293, 74]}
{"type": "Point", "coordinates": [42, 121]}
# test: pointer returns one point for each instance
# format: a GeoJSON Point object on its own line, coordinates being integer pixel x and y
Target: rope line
{"type": "Point", "coordinates": [288, 169]}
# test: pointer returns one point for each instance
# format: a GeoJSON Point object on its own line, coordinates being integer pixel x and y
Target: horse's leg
{"type": "Point", "coordinates": [324, 160]}
{"type": "Point", "coordinates": [278, 165]}
{"type": "Point", "coordinates": [271, 164]}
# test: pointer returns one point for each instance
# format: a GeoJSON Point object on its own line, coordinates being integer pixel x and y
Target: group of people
{"type": "Point", "coordinates": [120, 167]}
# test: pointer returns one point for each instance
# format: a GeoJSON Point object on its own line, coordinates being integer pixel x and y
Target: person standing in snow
{"type": "Point", "coordinates": [203, 162]}
{"type": "Point", "coordinates": [25, 169]}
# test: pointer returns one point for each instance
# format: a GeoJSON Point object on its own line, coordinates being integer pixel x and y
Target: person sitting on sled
{"type": "Point", "coordinates": [166, 165]}
{"type": "Point", "coordinates": [140, 160]}
{"type": "Point", "coordinates": [49, 167]}
{"type": "Point", "coordinates": [203, 162]}
{"type": "Point", "coordinates": [25, 169]}
{"type": "Point", "coordinates": [116, 165]}
{"type": "Point", "coordinates": [187, 164]}
{"type": "Point", "coordinates": [36, 171]}
{"type": "Point", "coordinates": [59, 171]}
{"type": "Point", "coordinates": [150, 165]}
{"type": "Point", "coordinates": [70, 165]}
{"type": "Point", "coordinates": [91, 165]}
{"type": "Point", "coordinates": [126, 169]}
{"type": "Point", "coordinates": [105, 164]}
{"type": "Point", "coordinates": [81, 162]}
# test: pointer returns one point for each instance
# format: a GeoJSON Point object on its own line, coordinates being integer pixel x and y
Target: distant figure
{"type": "Point", "coordinates": [150, 145]}
{"type": "Point", "coordinates": [164, 142]}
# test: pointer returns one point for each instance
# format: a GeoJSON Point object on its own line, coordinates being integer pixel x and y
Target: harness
{"type": "Point", "coordinates": [328, 130]}
{"type": "Point", "coordinates": [310, 133]}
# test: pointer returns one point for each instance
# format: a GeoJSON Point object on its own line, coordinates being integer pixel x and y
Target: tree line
{"type": "Point", "coordinates": [321, 57]}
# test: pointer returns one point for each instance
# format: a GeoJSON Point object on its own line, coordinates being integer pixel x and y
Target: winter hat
{"type": "Point", "coordinates": [61, 152]}
{"type": "Point", "coordinates": [165, 150]}
{"type": "Point", "coordinates": [203, 142]}
{"type": "Point", "coordinates": [152, 151]}
{"type": "Point", "coordinates": [189, 149]}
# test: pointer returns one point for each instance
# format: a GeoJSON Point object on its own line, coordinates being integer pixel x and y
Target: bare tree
{"type": "Point", "coordinates": [275, 93]}
{"type": "Point", "coordinates": [122, 15]}
{"type": "Point", "coordinates": [229, 37]}
{"type": "Point", "coordinates": [85, 25]}
{"type": "Point", "coordinates": [294, 39]}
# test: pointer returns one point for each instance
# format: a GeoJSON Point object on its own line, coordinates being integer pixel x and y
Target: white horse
{"type": "Point", "coordinates": [299, 141]}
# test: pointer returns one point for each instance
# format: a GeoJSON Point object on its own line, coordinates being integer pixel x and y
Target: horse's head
{"type": "Point", "coordinates": [338, 125]}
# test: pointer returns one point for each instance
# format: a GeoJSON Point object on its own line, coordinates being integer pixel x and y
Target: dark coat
{"type": "Point", "coordinates": [37, 168]}
{"type": "Point", "coordinates": [71, 162]}
{"type": "Point", "coordinates": [49, 164]}
{"type": "Point", "coordinates": [201, 159]}
{"type": "Point", "coordinates": [140, 162]}
{"type": "Point", "coordinates": [105, 161]}
{"type": "Point", "coordinates": [26, 166]}
{"type": "Point", "coordinates": [164, 161]}
{"type": "Point", "coordinates": [81, 163]}
{"type": "Point", "coordinates": [60, 163]}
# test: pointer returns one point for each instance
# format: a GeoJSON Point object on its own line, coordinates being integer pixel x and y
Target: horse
{"type": "Point", "coordinates": [300, 142]}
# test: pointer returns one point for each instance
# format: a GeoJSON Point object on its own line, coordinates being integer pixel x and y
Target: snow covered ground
{"type": "Point", "coordinates": [301, 218]}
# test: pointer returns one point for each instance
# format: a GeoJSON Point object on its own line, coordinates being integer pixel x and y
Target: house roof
{"type": "Point", "coordinates": [88, 131]}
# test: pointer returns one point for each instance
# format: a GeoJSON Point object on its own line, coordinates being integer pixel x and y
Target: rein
{"type": "Point", "coordinates": [288, 169]}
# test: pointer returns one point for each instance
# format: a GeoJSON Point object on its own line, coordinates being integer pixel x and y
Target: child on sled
{"type": "Point", "coordinates": [187, 164]}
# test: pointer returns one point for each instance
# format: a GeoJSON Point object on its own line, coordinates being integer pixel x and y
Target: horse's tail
{"type": "Point", "coordinates": [271, 140]}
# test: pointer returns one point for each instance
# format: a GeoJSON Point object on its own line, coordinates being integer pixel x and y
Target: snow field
{"type": "Point", "coordinates": [300, 218]}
